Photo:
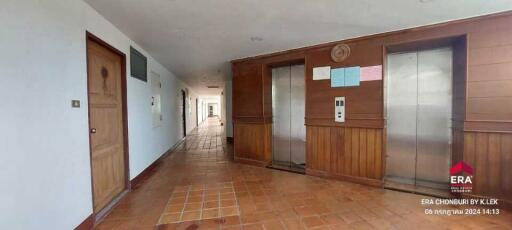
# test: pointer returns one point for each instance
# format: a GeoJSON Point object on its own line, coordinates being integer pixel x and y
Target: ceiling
{"type": "Point", "coordinates": [196, 39]}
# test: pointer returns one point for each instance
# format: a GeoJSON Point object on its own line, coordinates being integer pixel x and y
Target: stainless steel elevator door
{"type": "Point", "coordinates": [288, 109]}
{"type": "Point", "coordinates": [434, 117]}
{"type": "Point", "coordinates": [298, 113]}
{"type": "Point", "coordinates": [401, 117]}
{"type": "Point", "coordinates": [418, 113]}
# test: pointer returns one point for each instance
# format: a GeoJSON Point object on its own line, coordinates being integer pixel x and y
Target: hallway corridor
{"type": "Point", "coordinates": [198, 187]}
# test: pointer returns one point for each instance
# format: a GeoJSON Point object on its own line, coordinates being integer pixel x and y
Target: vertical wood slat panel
{"type": "Point", "coordinates": [353, 152]}
{"type": "Point", "coordinates": [348, 152]}
{"type": "Point", "coordinates": [362, 152]}
{"type": "Point", "coordinates": [481, 163]}
{"type": "Point", "coordinates": [378, 153]}
{"type": "Point", "coordinates": [491, 156]}
{"type": "Point", "coordinates": [321, 149]}
{"type": "Point", "coordinates": [493, 161]}
{"type": "Point", "coordinates": [371, 153]}
{"type": "Point", "coordinates": [505, 166]}
{"type": "Point", "coordinates": [253, 141]}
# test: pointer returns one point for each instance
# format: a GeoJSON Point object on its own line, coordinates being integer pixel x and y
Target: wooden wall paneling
{"type": "Point", "coordinates": [337, 150]}
{"type": "Point", "coordinates": [362, 152]}
{"type": "Point", "coordinates": [481, 147]}
{"type": "Point", "coordinates": [310, 162]}
{"type": "Point", "coordinates": [247, 90]}
{"type": "Point", "coordinates": [505, 165]}
{"type": "Point", "coordinates": [253, 142]}
{"type": "Point", "coordinates": [493, 160]}
{"type": "Point", "coordinates": [379, 154]}
{"type": "Point", "coordinates": [347, 170]}
{"type": "Point", "coordinates": [371, 150]}
{"type": "Point", "coordinates": [355, 151]}
{"type": "Point", "coordinates": [491, 156]}
{"type": "Point", "coordinates": [326, 143]}
{"type": "Point", "coordinates": [318, 148]}
{"type": "Point", "coordinates": [341, 151]}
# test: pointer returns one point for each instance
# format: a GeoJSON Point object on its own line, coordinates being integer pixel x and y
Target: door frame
{"type": "Point", "coordinates": [184, 111]}
{"type": "Point", "coordinates": [97, 216]}
{"type": "Point", "coordinates": [404, 46]}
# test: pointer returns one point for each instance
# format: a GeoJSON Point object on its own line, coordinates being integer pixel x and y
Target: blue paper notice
{"type": "Point", "coordinates": [352, 76]}
{"type": "Point", "coordinates": [338, 77]}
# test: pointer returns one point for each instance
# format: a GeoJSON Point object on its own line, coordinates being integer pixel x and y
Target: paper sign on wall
{"type": "Point", "coordinates": [338, 77]}
{"type": "Point", "coordinates": [371, 73]}
{"type": "Point", "coordinates": [321, 73]}
{"type": "Point", "coordinates": [352, 76]}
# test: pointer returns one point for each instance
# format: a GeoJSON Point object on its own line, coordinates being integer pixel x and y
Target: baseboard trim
{"type": "Point", "coordinates": [152, 168]}
{"type": "Point", "coordinates": [87, 224]}
{"type": "Point", "coordinates": [99, 216]}
{"type": "Point", "coordinates": [353, 179]}
{"type": "Point", "coordinates": [251, 162]}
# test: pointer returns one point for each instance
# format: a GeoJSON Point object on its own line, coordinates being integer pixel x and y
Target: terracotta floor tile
{"type": "Point", "coordinates": [227, 203]}
{"type": "Point", "coordinates": [193, 206]}
{"type": "Point", "coordinates": [253, 227]}
{"type": "Point", "coordinates": [229, 211]}
{"type": "Point", "coordinates": [303, 211]}
{"type": "Point", "coordinates": [231, 220]}
{"type": "Point", "coordinates": [170, 218]}
{"type": "Point", "coordinates": [274, 225]}
{"type": "Point", "coordinates": [200, 172]}
{"type": "Point", "coordinates": [174, 208]}
{"type": "Point", "coordinates": [210, 213]}
{"type": "Point", "coordinates": [312, 221]}
{"type": "Point", "coordinates": [293, 224]}
{"type": "Point", "coordinates": [194, 215]}
{"type": "Point", "coordinates": [211, 204]}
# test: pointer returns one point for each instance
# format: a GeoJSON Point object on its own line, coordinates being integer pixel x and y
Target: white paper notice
{"type": "Point", "coordinates": [322, 73]}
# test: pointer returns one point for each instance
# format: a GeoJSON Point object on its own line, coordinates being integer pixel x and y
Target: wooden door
{"type": "Point", "coordinates": [104, 68]}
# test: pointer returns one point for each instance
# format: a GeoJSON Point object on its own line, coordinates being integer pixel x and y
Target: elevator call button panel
{"type": "Point", "coordinates": [339, 109]}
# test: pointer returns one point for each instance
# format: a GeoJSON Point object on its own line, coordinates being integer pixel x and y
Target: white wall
{"type": "Point", "coordinates": [211, 100]}
{"type": "Point", "coordinates": [44, 143]}
{"type": "Point", "coordinates": [228, 106]}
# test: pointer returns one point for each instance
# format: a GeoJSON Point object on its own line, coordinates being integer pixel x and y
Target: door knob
{"type": "Point", "coordinates": [93, 130]}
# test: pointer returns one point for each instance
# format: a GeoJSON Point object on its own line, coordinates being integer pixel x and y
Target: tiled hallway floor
{"type": "Point", "coordinates": [199, 187]}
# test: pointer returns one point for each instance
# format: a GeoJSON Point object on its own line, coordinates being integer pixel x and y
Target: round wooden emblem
{"type": "Point", "coordinates": [340, 52]}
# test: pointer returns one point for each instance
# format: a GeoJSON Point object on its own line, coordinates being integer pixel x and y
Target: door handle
{"type": "Point", "coordinates": [93, 130]}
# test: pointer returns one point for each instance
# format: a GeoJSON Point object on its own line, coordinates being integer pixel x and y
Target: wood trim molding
{"type": "Point", "coordinates": [488, 126]}
{"type": "Point", "coordinates": [251, 162]}
{"type": "Point", "coordinates": [87, 224]}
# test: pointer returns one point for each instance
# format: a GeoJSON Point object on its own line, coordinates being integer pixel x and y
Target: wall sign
{"type": "Point", "coordinates": [352, 76]}
{"type": "Point", "coordinates": [322, 73]}
{"type": "Point", "coordinates": [371, 73]}
{"type": "Point", "coordinates": [338, 77]}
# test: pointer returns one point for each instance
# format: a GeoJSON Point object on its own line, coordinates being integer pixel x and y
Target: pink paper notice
{"type": "Point", "coordinates": [371, 73]}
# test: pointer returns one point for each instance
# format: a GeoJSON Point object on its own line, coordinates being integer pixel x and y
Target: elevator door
{"type": "Point", "coordinates": [288, 109]}
{"type": "Point", "coordinates": [419, 111]}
